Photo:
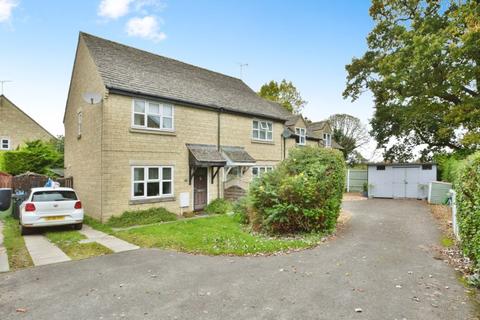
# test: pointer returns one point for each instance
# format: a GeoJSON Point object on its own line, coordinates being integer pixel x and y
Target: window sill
{"type": "Point", "coordinates": [262, 141]}
{"type": "Point", "coordinates": [151, 200]}
{"type": "Point", "coordinates": [150, 131]}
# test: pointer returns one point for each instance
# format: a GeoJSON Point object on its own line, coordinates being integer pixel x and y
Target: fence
{"type": "Point", "coordinates": [453, 204]}
{"type": "Point", "coordinates": [30, 180]}
{"type": "Point", "coordinates": [356, 179]}
{"type": "Point", "coordinates": [5, 180]}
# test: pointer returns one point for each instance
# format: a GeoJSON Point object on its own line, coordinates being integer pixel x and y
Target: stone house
{"type": "Point", "coordinates": [166, 133]}
{"type": "Point", "coordinates": [17, 127]}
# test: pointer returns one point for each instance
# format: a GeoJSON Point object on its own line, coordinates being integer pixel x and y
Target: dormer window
{"type": "Point", "coordinates": [302, 136]}
{"type": "Point", "coordinates": [262, 130]}
{"type": "Point", "coordinates": [327, 138]}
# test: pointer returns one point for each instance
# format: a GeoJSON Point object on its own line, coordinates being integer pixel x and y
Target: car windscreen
{"type": "Point", "coordinates": [54, 195]}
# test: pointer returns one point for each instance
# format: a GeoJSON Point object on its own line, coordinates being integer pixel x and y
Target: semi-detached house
{"type": "Point", "coordinates": [166, 133]}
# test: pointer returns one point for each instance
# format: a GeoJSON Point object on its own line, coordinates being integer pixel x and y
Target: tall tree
{"type": "Point", "coordinates": [423, 68]}
{"type": "Point", "coordinates": [350, 133]}
{"type": "Point", "coordinates": [284, 93]}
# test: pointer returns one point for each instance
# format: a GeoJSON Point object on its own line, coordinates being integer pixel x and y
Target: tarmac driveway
{"type": "Point", "coordinates": [381, 263]}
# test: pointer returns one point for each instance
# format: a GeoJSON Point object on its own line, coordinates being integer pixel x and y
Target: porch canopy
{"type": "Point", "coordinates": [237, 156]}
{"type": "Point", "coordinates": [204, 156]}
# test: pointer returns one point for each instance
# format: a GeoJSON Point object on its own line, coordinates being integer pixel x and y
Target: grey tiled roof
{"type": "Point", "coordinates": [292, 120]}
{"type": "Point", "coordinates": [135, 71]}
{"type": "Point", "coordinates": [237, 154]}
{"type": "Point", "coordinates": [205, 153]}
{"type": "Point", "coordinates": [319, 125]}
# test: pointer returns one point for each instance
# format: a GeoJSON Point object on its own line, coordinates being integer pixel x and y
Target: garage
{"type": "Point", "coordinates": [400, 180]}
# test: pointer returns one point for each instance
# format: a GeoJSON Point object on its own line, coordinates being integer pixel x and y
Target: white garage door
{"type": "Point", "coordinates": [405, 182]}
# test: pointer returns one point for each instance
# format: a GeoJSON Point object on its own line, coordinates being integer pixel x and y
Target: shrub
{"type": "Point", "coordinates": [449, 166]}
{"type": "Point", "coordinates": [467, 186]}
{"type": "Point", "coordinates": [141, 217]}
{"type": "Point", "coordinates": [36, 156]}
{"type": "Point", "coordinates": [218, 206]}
{"type": "Point", "coordinates": [303, 194]}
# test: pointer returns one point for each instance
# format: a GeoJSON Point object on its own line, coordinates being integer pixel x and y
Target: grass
{"type": "Point", "coordinates": [69, 242]}
{"type": "Point", "coordinates": [447, 242]}
{"type": "Point", "coordinates": [218, 235]}
{"type": "Point", "coordinates": [18, 256]}
{"type": "Point", "coordinates": [141, 217]}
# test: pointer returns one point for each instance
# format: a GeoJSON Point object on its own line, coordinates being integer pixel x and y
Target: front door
{"type": "Point", "coordinates": [200, 189]}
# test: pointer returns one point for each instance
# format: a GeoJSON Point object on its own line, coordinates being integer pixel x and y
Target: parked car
{"type": "Point", "coordinates": [45, 207]}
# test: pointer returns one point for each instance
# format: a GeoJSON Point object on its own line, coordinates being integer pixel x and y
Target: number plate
{"type": "Point", "coordinates": [54, 218]}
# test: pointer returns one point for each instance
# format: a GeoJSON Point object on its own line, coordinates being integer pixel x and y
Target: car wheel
{"type": "Point", "coordinates": [24, 231]}
{"type": "Point", "coordinates": [78, 226]}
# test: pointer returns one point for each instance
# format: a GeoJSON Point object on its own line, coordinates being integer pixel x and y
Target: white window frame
{"type": "Point", "coordinates": [146, 180]}
{"type": "Point", "coordinates": [79, 123]}
{"type": "Point", "coordinates": [302, 136]}
{"type": "Point", "coordinates": [9, 143]}
{"type": "Point", "coordinates": [327, 137]}
{"type": "Point", "coordinates": [262, 123]}
{"type": "Point", "coordinates": [259, 170]}
{"type": "Point", "coordinates": [146, 113]}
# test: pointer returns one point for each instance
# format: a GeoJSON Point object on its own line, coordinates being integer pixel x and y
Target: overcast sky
{"type": "Point", "coordinates": [307, 42]}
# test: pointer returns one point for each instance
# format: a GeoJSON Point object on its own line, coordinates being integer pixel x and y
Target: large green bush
{"type": "Point", "coordinates": [467, 186]}
{"type": "Point", "coordinates": [35, 156]}
{"type": "Point", "coordinates": [303, 194]}
{"type": "Point", "coordinates": [449, 166]}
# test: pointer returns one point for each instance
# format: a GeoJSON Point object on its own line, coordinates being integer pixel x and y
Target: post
{"type": "Point", "coordinates": [348, 180]}
{"type": "Point", "coordinates": [454, 214]}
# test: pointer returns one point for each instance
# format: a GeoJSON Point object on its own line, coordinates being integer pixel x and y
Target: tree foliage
{"type": "Point", "coordinates": [284, 93]}
{"type": "Point", "coordinates": [35, 156]}
{"type": "Point", "coordinates": [423, 68]}
{"type": "Point", "coordinates": [350, 133]}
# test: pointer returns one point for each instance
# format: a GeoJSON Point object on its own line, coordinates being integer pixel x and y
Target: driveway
{"type": "Point", "coordinates": [381, 263]}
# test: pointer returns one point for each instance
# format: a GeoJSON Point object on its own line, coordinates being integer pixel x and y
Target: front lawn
{"type": "Point", "coordinates": [141, 217]}
{"type": "Point", "coordinates": [18, 256]}
{"type": "Point", "coordinates": [217, 235]}
{"type": "Point", "coordinates": [69, 242]}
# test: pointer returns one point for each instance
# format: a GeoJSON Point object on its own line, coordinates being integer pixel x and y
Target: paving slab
{"type": "Point", "coordinates": [4, 267]}
{"type": "Point", "coordinates": [111, 242]}
{"type": "Point", "coordinates": [43, 251]}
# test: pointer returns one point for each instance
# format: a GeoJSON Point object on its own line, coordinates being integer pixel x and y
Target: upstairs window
{"type": "Point", "coordinates": [262, 130]}
{"type": "Point", "coordinates": [327, 138]}
{"type": "Point", "coordinates": [152, 115]}
{"type": "Point", "coordinates": [4, 143]}
{"type": "Point", "coordinates": [302, 135]}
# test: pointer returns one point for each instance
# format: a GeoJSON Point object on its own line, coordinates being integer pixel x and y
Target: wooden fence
{"type": "Point", "coordinates": [5, 180]}
{"type": "Point", "coordinates": [31, 180]}
{"type": "Point", "coordinates": [356, 180]}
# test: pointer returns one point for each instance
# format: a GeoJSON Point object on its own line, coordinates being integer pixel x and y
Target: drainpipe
{"type": "Point", "coordinates": [220, 110]}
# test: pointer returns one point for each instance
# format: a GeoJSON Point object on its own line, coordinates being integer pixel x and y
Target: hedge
{"type": "Point", "coordinates": [467, 187]}
{"type": "Point", "coordinates": [35, 156]}
{"type": "Point", "coordinates": [303, 194]}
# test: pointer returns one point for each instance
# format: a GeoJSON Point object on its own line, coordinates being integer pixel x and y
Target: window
{"type": "Point", "coordinates": [4, 143]}
{"type": "Point", "coordinates": [426, 167]}
{"type": "Point", "coordinates": [152, 115]}
{"type": "Point", "coordinates": [47, 196]}
{"type": "Point", "coordinates": [262, 130]}
{"type": "Point", "coordinates": [380, 167]}
{"type": "Point", "coordinates": [152, 182]}
{"type": "Point", "coordinates": [301, 132]}
{"type": "Point", "coordinates": [258, 171]}
{"type": "Point", "coordinates": [327, 138]}
{"type": "Point", "coordinates": [79, 123]}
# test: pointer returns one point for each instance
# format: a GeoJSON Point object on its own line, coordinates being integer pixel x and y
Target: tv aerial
{"type": "Point", "coordinates": [92, 97]}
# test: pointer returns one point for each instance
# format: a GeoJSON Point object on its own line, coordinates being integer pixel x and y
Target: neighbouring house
{"type": "Point", "coordinates": [323, 130]}
{"type": "Point", "coordinates": [16, 127]}
{"type": "Point", "coordinates": [166, 133]}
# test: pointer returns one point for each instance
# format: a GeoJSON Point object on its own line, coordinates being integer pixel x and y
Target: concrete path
{"type": "Point", "coordinates": [111, 242]}
{"type": "Point", "coordinates": [43, 251]}
{"type": "Point", "coordinates": [4, 267]}
{"type": "Point", "coordinates": [381, 263]}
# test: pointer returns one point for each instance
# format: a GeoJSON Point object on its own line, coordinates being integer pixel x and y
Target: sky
{"type": "Point", "coordinates": [306, 42]}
